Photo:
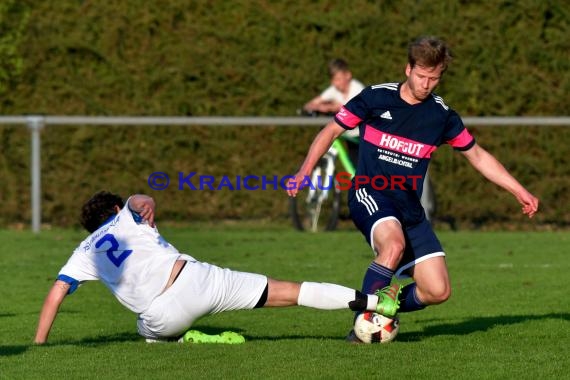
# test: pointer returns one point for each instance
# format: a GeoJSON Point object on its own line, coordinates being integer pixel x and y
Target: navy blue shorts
{"type": "Point", "coordinates": [369, 208]}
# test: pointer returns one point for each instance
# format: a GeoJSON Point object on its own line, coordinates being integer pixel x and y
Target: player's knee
{"type": "Point", "coordinates": [443, 295]}
{"type": "Point", "coordinates": [440, 295]}
{"type": "Point", "coordinates": [392, 251]}
{"type": "Point", "coordinates": [396, 250]}
{"type": "Point", "coordinates": [436, 294]}
{"type": "Point", "coordinates": [282, 293]}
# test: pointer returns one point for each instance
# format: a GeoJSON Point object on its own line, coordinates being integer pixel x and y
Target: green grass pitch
{"type": "Point", "coordinates": [508, 317]}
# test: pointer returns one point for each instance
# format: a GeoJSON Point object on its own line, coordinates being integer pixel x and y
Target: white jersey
{"type": "Point", "coordinates": [333, 94]}
{"type": "Point", "coordinates": [129, 257]}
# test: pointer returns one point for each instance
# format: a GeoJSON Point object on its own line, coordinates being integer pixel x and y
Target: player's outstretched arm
{"type": "Point", "coordinates": [49, 311]}
{"type": "Point", "coordinates": [495, 172]}
{"type": "Point", "coordinates": [319, 147]}
{"type": "Point", "coordinates": [144, 206]}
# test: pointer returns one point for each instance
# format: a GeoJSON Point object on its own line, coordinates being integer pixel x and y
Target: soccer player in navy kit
{"type": "Point", "coordinates": [401, 124]}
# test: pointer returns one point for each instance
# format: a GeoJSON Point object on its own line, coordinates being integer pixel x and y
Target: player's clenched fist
{"type": "Point", "coordinates": [294, 184]}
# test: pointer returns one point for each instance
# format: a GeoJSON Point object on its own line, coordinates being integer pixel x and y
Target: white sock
{"type": "Point", "coordinates": [325, 296]}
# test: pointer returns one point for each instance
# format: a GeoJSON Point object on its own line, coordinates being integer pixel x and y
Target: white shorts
{"type": "Point", "coordinates": [200, 289]}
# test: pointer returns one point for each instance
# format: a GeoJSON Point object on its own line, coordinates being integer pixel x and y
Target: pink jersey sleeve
{"type": "Point", "coordinates": [347, 119]}
{"type": "Point", "coordinates": [462, 141]}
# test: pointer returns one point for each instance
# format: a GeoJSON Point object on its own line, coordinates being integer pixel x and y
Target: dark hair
{"type": "Point", "coordinates": [98, 209]}
{"type": "Point", "coordinates": [429, 51]}
{"type": "Point", "coordinates": [336, 65]}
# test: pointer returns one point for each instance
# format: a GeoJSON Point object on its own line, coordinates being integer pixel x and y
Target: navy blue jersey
{"type": "Point", "coordinates": [397, 140]}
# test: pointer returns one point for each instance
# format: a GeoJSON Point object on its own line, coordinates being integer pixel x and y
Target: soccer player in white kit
{"type": "Point", "coordinates": [169, 290]}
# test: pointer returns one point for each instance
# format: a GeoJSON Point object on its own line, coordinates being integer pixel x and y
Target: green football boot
{"type": "Point", "coordinates": [227, 337]}
{"type": "Point", "coordinates": [388, 302]}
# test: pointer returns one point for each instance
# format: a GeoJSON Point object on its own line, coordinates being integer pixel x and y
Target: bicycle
{"type": "Point", "coordinates": [316, 207]}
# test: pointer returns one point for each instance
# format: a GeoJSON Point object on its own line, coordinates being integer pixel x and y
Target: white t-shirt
{"type": "Point", "coordinates": [130, 258]}
{"type": "Point", "coordinates": [332, 94]}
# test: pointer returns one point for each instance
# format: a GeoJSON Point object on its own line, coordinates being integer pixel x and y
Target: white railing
{"type": "Point", "coordinates": [37, 122]}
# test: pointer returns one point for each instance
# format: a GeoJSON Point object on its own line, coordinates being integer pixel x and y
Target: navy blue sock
{"type": "Point", "coordinates": [377, 276]}
{"type": "Point", "coordinates": [409, 300]}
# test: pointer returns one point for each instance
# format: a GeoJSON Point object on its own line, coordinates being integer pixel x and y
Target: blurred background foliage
{"type": "Point", "coordinates": [262, 58]}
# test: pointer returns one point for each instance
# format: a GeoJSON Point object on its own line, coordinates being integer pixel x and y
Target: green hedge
{"type": "Point", "coordinates": [199, 58]}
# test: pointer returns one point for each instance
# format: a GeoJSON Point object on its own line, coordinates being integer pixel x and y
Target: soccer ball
{"type": "Point", "coordinates": [371, 327]}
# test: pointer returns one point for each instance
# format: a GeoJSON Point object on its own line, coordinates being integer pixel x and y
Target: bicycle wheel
{"type": "Point", "coordinates": [316, 208]}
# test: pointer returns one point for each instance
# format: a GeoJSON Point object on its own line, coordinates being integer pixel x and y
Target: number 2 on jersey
{"type": "Point", "coordinates": [117, 260]}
